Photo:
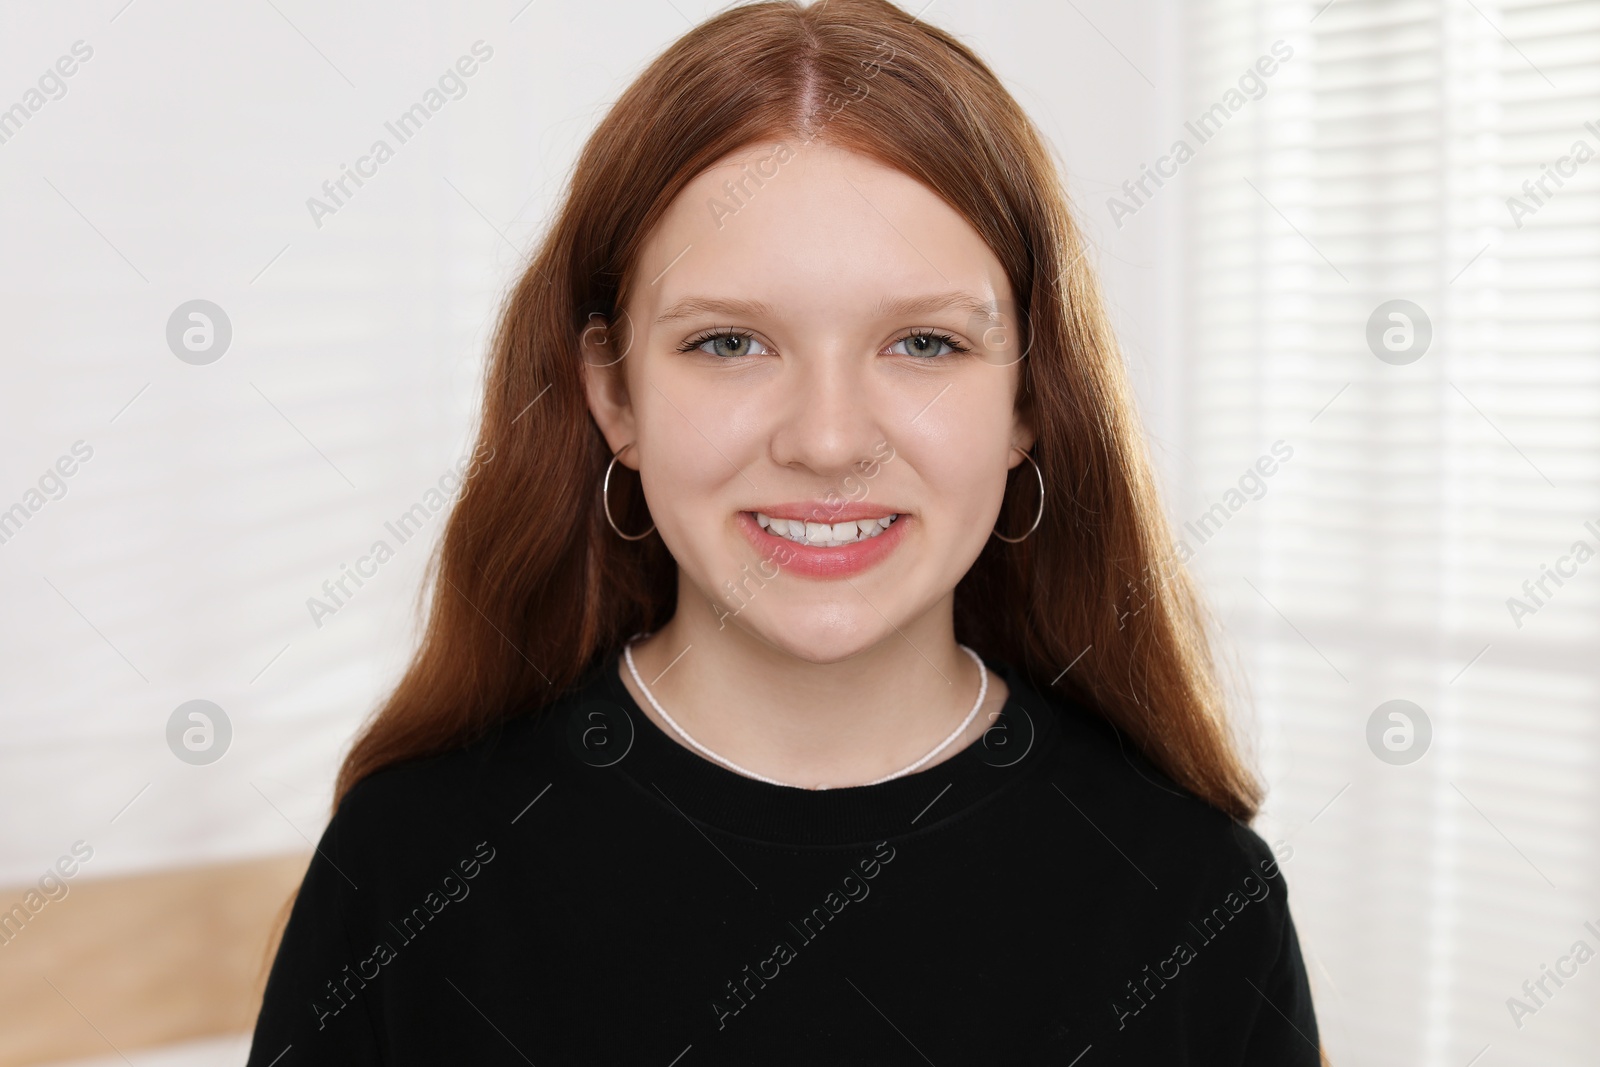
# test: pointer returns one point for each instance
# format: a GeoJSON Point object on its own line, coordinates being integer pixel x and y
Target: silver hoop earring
{"type": "Point", "coordinates": [605, 499]}
{"type": "Point", "coordinates": [1037, 518]}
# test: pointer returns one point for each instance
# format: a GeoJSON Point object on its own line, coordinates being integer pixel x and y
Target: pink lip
{"type": "Point", "coordinates": [809, 561]}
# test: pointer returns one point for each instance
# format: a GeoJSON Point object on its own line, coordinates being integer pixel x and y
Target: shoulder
{"type": "Point", "coordinates": [1140, 809]}
{"type": "Point", "coordinates": [484, 781]}
{"type": "Point", "coordinates": [410, 832]}
{"type": "Point", "coordinates": [488, 773]}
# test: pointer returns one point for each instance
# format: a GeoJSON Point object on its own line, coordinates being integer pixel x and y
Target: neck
{"type": "Point", "coordinates": [819, 724]}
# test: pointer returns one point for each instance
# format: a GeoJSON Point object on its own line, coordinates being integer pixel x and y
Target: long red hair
{"type": "Point", "coordinates": [530, 587]}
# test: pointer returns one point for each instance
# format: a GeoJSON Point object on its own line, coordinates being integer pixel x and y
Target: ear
{"type": "Point", "coordinates": [605, 384]}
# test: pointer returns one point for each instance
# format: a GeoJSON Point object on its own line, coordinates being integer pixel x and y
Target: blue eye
{"type": "Point", "coordinates": [732, 344]}
{"type": "Point", "coordinates": [926, 345]}
{"type": "Point", "coordinates": [729, 344]}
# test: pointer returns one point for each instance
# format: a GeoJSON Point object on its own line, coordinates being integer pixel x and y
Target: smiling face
{"type": "Point", "coordinates": [815, 338]}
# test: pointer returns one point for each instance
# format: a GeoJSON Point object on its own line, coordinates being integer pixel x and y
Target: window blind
{"type": "Point", "coordinates": [1422, 543]}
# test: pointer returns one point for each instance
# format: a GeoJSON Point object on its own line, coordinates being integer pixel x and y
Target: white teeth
{"type": "Point", "coordinates": [822, 534]}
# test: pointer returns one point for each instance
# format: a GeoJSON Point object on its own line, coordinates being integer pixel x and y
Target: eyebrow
{"type": "Point", "coordinates": [694, 305]}
{"type": "Point", "coordinates": [911, 305]}
{"type": "Point", "coordinates": [922, 305]}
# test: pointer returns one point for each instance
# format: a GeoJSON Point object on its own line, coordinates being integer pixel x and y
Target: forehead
{"type": "Point", "coordinates": [809, 230]}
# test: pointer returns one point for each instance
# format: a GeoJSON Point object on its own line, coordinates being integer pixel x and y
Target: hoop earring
{"type": "Point", "coordinates": [1037, 518]}
{"type": "Point", "coordinates": [605, 499]}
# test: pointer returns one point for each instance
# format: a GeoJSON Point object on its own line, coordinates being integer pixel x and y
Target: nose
{"type": "Point", "coordinates": [829, 415]}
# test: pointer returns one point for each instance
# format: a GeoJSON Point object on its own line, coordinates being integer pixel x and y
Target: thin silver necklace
{"type": "Point", "coordinates": [983, 691]}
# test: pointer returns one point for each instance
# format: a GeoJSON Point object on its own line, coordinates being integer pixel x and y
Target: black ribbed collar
{"type": "Point", "coordinates": [1018, 743]}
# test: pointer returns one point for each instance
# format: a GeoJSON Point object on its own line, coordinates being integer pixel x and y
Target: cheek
{"type": "Point", "coordinates": [960, 475]}
{"type": "Point", "coordinates": [681, 467]}
{"type": "Point", "coordinates": [964, 485]}
{"type": "Point", "coordinates": [691, 470]}
{"type": "Point", "coordinates": [964, 438]}
{"type": "Point", "coordinates": [707, 421]}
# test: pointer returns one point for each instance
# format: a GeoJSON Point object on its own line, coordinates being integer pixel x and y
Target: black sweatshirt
{"type": "Point", "coordinates": [580, 888]}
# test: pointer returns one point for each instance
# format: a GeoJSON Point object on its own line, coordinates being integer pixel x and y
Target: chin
{"type": "Point", "coordinates": [816, 637]}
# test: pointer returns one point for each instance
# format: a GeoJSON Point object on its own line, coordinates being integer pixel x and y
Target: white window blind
{"type": "Point", "coordinates": [1377, 562]}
